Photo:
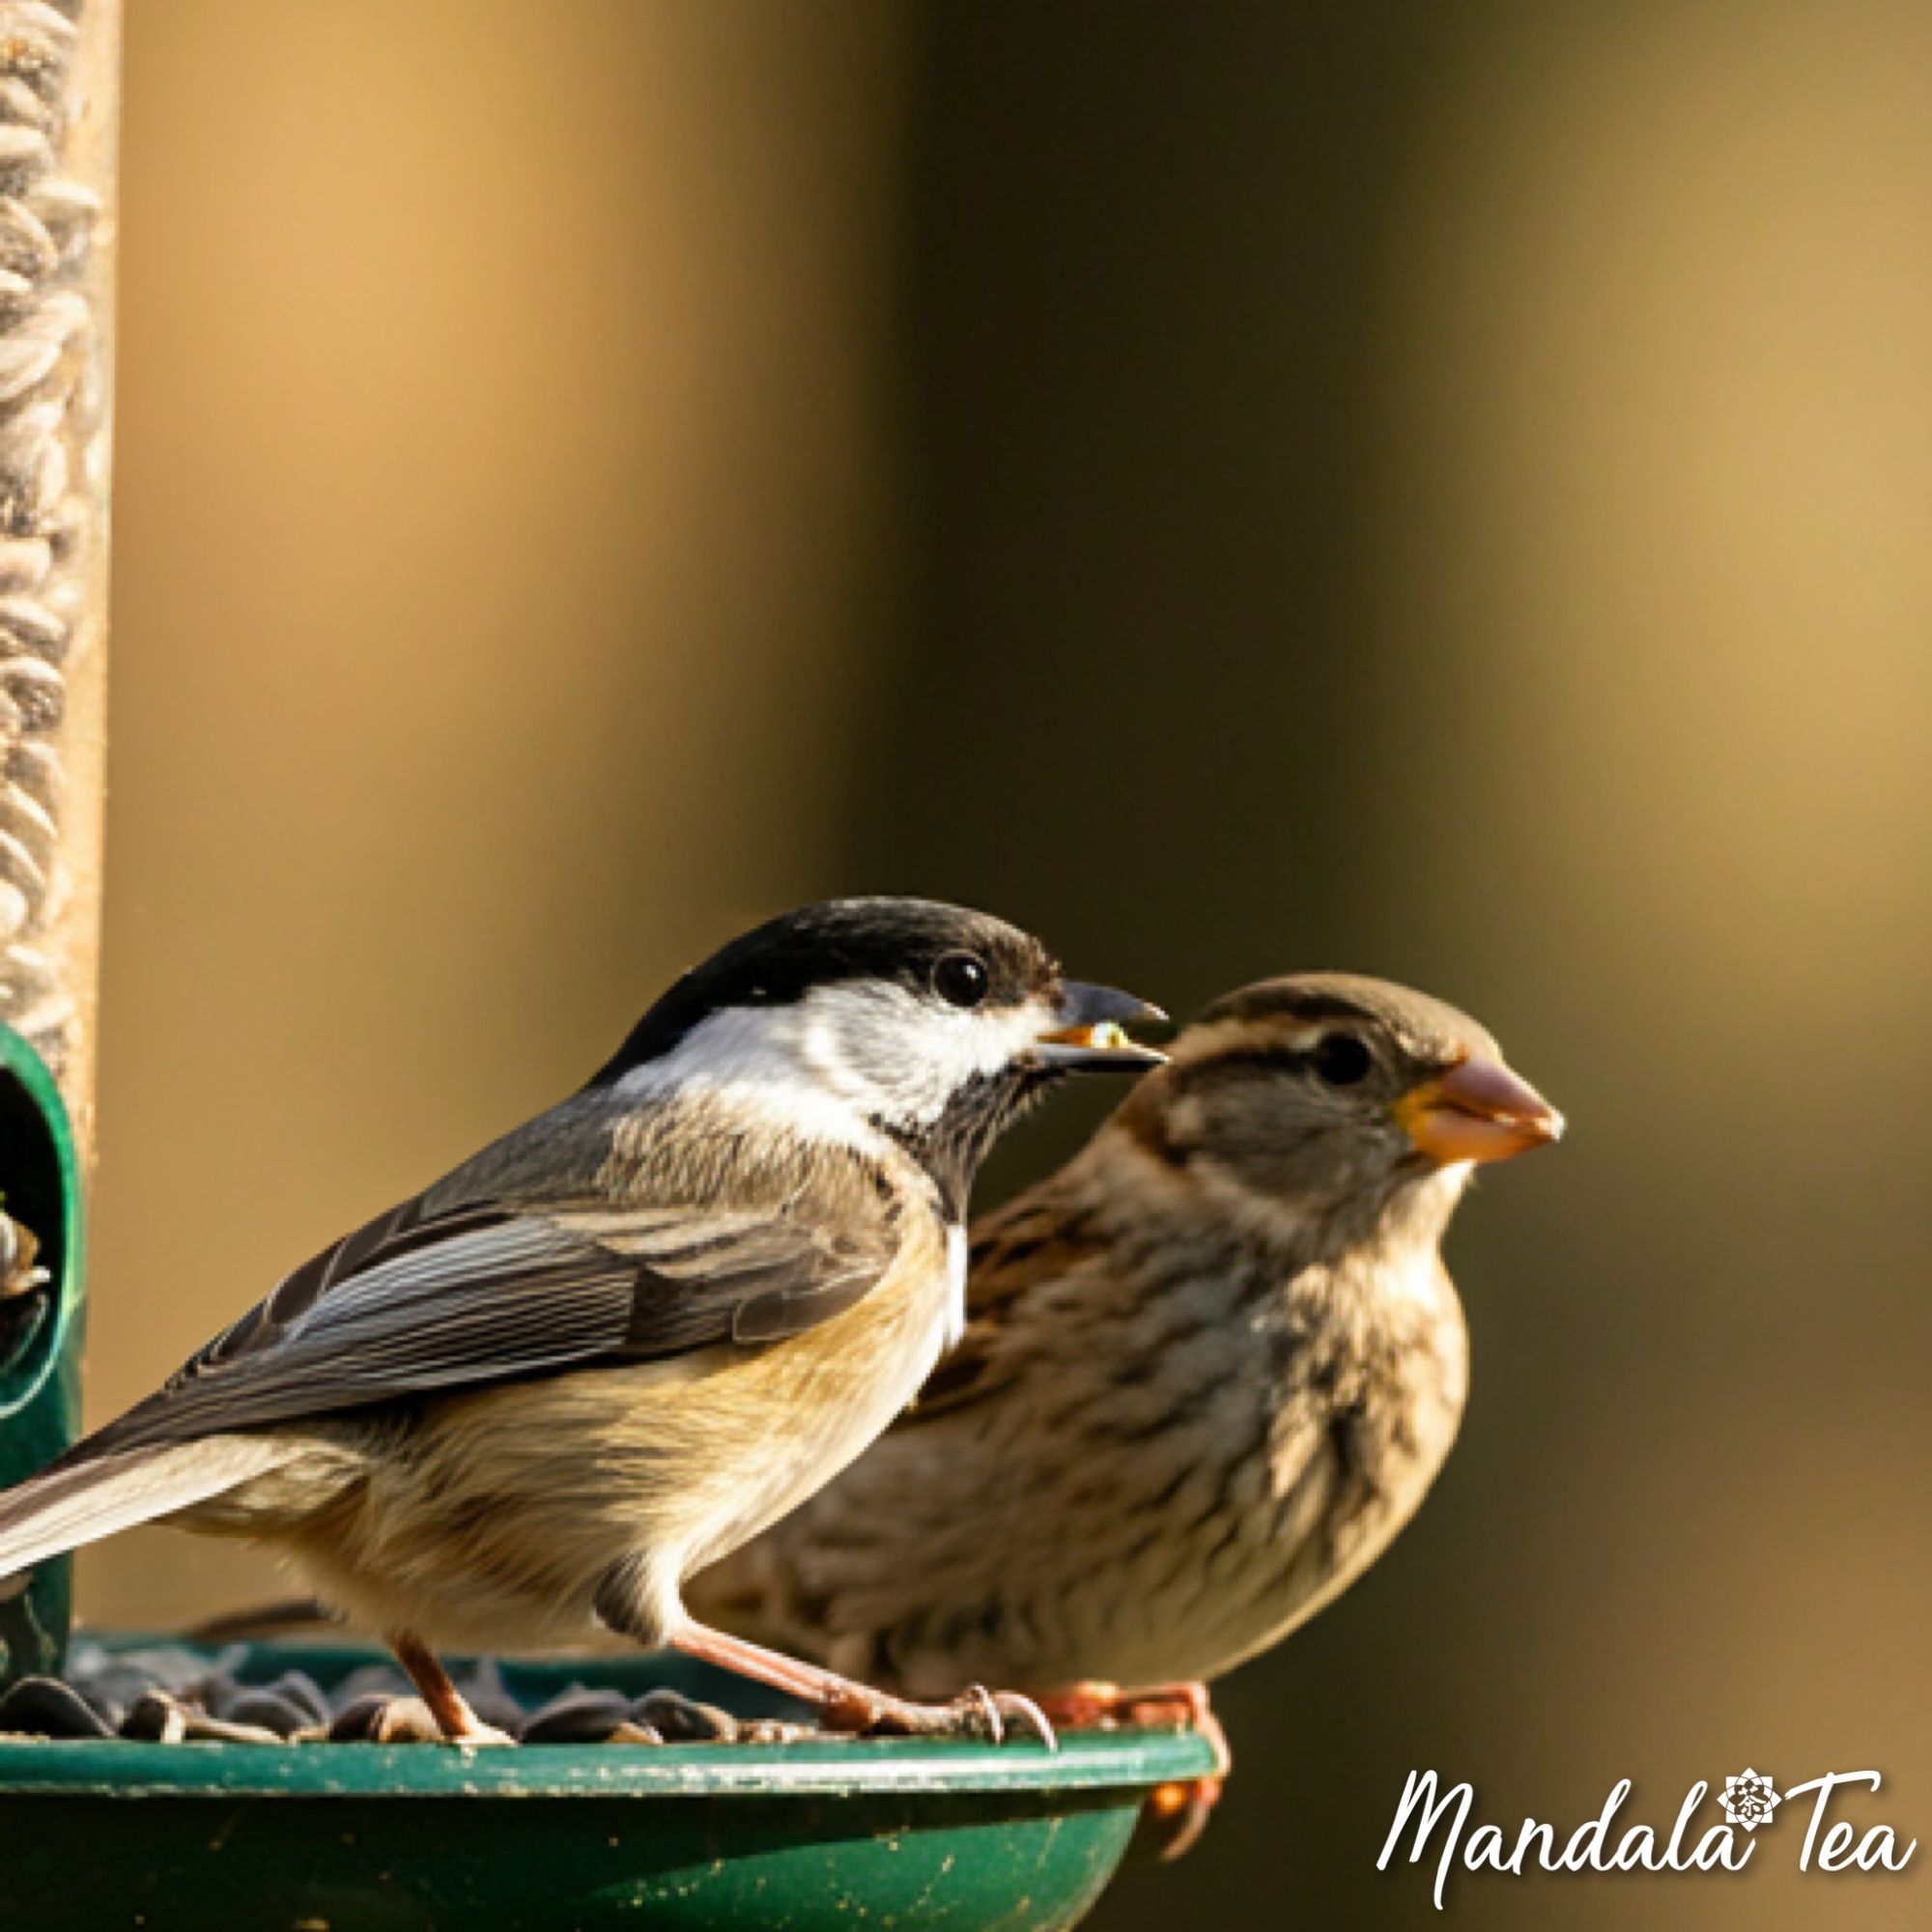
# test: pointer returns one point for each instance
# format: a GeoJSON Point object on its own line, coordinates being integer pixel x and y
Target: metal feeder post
{"type": "Point", "coordinates": [59, 69]}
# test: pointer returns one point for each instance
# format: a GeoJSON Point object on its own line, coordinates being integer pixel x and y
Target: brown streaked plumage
{"type": "Point", "coordinates": [521, 1408]}
{"type": "Point", "coordinates": [1210, 1368]}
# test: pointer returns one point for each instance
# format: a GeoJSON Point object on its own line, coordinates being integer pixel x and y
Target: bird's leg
{"type": "Point", "coordinates": [1178, 1813]}
{"type": "Point", "coordinates": [849, 1706]}
{"type": "Point", "coordinates": [446, 1703]}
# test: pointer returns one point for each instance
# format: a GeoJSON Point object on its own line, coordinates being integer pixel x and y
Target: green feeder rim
{"type": "Point", "coordinates": [24, 1379]}
{"type": "Point", "coordinates": [847, 1768]}
{"type": "Point", "coordinates": [223, 1836]}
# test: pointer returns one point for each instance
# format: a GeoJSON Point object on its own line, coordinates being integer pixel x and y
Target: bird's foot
{"type": "Point", "coordinates": [845, 1705]}
{"type": "Point", "coordinates": [446, 1708]}
{"type": "Point", "coordinates": [1175, 1814]}
{"type": "Point", "coordinates": [1172, 1706]}
{"type": "Point", "coordinates": [477, 1733]}
{"type": "Point", "coordinates": [379, 1720]}
{"type": "Point", "coordinates": [990, 1715]}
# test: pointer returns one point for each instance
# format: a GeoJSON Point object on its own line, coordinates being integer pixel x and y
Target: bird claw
{"type": "Point", "coordinates": [479, 1735]}
{"type": "Point", "coordinates": [988, 1717]}
{"type": "Point", "coordinates": [1177, 1706]}
{"type": "Point", "coordinates": [378, 1718]}
{"type": "Point", "coordinates": [1176, 1813]}
{"type": "Point", "coordinates": [976, 1712]}
{"type": "Point", "coordinates": [997, 1714]}
{"type": "Point", "coordinates": [382, 1719]}
{"type": "Point", "coordinates": [1017, 1712]}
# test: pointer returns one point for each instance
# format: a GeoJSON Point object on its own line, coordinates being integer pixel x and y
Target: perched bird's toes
{"type": "Point", "coordinates": [1179, 1706]}
{"type": "Point", "coordinates": [479, 1733]}
{"type": "Point", "coordinates": [854, 1709]}
{"type": "Point", "coordinates": [1020, 1715]}
{"type": "Point", "coordinates": [976, 1714]}
{"type": "Point", "coordinates": [1186, 1710]}
{"type": "Point", "coordinates": [993, 1717]}
{"type": "Point", "coordinates": [378, 1720]}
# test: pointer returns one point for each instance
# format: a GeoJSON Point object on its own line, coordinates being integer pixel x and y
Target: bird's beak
{"type": "Point", "coordinates": [1479, 1109]}
{"type": "Point", "coordinates": [1089, 1033]}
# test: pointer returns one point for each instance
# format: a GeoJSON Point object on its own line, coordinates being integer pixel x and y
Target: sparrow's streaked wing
{"type": "Point", "coordinates": [414, 1305]}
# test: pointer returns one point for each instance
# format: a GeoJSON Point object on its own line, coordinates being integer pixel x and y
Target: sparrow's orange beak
{"type": "Point", "coordinates": [1479, 1109]}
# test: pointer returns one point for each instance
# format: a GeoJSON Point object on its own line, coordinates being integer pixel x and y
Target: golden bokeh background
{"type": "Point", "coordinates": [1444, 491]}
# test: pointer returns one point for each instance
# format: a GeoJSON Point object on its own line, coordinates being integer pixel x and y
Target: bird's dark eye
{"type": "Point", "coordinates": [960, 980]}
{"type": "Point", "coordinates": [1341, 1060]}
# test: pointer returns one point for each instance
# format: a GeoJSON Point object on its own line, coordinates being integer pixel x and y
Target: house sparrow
{"type": "Point", "coordinates": [1210, 1368]}
{"type": "Point", "coordinates": [635, 1330]}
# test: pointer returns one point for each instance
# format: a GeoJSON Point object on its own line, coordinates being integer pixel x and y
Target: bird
{"type": "Point", "coordinates": [1210, 1368]}
{"type": "Point", "coordinates": [517, 1410]}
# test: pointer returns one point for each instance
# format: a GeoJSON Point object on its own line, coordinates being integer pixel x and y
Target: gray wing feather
{"type": "Point", "coordinates": [419, 1303]}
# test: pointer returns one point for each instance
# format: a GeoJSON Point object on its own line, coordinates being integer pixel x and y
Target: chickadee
{"type": "Point", "coordinates": [635, 1330]}
{"type": "Point", "coordinates": [1210, 1368]}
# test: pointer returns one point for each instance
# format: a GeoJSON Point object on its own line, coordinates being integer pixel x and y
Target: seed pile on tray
{"type": "Point", "coordinates": [175, 1696]}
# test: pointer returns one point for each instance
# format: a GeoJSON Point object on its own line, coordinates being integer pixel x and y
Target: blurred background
{"type": "Point", "coordinates": [1440, 490]}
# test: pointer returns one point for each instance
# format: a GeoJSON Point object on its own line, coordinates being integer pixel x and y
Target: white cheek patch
{"type": "Point", "coordinates": [756, 1056]}
{"type": "Point", "coordinates": [895, 1055]}
{"type": "Point", "coordinates": [844, 1056]}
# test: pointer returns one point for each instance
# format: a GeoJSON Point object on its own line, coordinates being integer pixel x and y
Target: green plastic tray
{"type": "Point", "coordinates": [218, 1837]}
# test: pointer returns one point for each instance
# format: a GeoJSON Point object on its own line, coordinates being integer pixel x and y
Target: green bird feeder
{"type": "Point", "coordinates": [731, 1838]}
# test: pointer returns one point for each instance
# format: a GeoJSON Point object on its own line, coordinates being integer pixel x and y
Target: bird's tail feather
{"type": "Point", "coordinates": [261, 1623]}
{"type": "Point", "coordinates": [79, 1503]}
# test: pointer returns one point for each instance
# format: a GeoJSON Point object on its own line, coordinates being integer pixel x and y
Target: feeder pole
{"type": "Point", "coordinates": [60, 74]}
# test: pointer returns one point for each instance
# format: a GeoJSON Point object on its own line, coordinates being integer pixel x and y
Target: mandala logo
{"type": "Point", "coordinates": [1749, 1799]}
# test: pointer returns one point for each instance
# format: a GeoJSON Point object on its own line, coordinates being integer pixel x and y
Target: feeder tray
{"type": "Point", "coordinates": [941, 1836]}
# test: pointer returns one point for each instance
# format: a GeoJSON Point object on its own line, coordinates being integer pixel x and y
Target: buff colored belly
{"type": "Point", "coordinates": [509, 1507]}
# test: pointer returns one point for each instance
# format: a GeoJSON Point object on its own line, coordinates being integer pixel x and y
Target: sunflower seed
{"type": "Point", "coordinates": [578, 1717]}
{"type": "Point", "coordinates": [44, 1707]}
{"type": "Point", "coordinates": [682, 1720]}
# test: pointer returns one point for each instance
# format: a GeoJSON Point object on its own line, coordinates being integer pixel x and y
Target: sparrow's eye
{"type": "Point", "coordinates": [960, 980]}
{"type": "Point", "coordinates": [1341, 1060]}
